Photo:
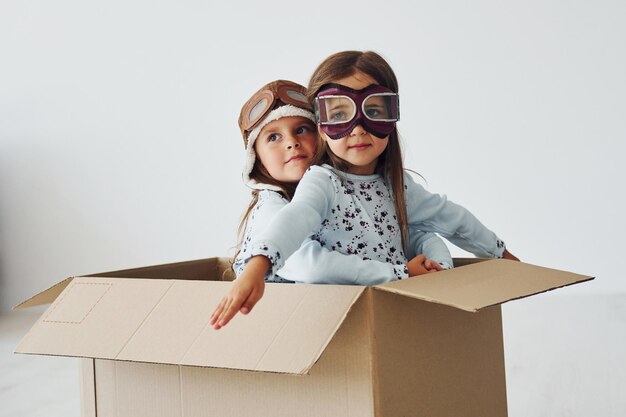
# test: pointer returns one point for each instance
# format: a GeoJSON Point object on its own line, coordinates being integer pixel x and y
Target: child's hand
{"type": "Point", "coordinates": [245, 292]}
{"type": "Point", "coordinates": [432, 266]}
{"type": "Point", "coordinates": [421, 265]}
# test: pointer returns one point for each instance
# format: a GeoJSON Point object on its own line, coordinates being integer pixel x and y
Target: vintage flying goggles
{"type": "Point", "coordinates": [338, 109]}
{"type": "Point", "coordinates": [269, 97]}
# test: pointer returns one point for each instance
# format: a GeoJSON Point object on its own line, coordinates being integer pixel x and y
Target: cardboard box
{"type": "Point", "coordinates": [426, 346]}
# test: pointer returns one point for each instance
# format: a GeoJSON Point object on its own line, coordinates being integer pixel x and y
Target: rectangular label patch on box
{"type": "Point", "coordinates": [77, 302]}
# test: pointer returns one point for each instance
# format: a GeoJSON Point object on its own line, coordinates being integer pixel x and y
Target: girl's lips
{"type": "Point", "coordinates": [296, 158]}
{"type": "Point", "coordinates": [360, 146]}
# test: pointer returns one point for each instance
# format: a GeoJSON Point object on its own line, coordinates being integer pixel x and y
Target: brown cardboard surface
{"type": "Point", "coordinates": [99, 330]}
{"type": "Point", "coordinates": [211, 269]}
{"type": "Point", "coordinates": [87, 388]}
{"type": "Point", "coordinates": [107, 387]}
{"type": "Point", "coordinates": [167, 321]}
{"type": "Point", "coordinates": [483, 284]}
{"type": "Point", "coordinates": [405, 348]}
{"type": "Point", "coordinates": [286, 332]}
{"type": "Point", "coordinates": [45, 297]}
{"type": "Point", "coordinates": [127, 389]}
{"type": "Point", "coordinates": [449, 362]}
{"type": "Point", "coordinates": [339, 384]}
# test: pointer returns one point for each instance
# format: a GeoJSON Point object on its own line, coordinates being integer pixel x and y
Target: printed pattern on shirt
{"type": "Point", "coordinates": [363, 220]}
{"type": "Point", "coordinates": [252, 229]}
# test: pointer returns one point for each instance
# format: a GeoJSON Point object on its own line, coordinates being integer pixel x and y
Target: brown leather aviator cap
{"type": "Point", "coordinates": [269, 97]}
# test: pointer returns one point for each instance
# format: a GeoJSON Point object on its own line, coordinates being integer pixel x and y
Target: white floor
{"type": "Point", "coordinates": [565, 356]}
{"type": "Point", "coordinates": [34, 386]}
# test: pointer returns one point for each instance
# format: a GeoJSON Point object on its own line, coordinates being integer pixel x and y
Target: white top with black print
{"type": "Point", "coordinates": [314, 264]}
{"type": "Point", "coordinates": [355, 215]}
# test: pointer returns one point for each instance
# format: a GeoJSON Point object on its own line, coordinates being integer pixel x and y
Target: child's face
{"type": "Point", "coordinates": [359, 148]}
{"type": "Point", "coordinates": [286, 147]}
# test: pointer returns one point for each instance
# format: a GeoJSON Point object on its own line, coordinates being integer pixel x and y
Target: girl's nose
{"type": "Point", "coordinates": [293, 143]}
{"type": "Point", "coordinates": [358, 130]}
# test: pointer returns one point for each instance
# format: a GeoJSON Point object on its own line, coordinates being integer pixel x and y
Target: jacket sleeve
{"type": "Point", "coordinates": [434, 213]}
{"type": "Point", "coordinates": [260, 216]}
{"type": "Point", "coordinates": [297, 220]}
{"type": "Point", "coordinates": [431, 245]}
{"type": "Point", "coordinates": [314, 264]}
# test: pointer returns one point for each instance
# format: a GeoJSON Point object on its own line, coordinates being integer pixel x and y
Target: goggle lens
{"type": "Point", "coordinates": [381, 107]}
{"type": "Point", "coordinates": [265, 100]}
{"type": "Point", "coordinates": [337, 109]}
{"type": "Point", "coordinates": [258, 110]}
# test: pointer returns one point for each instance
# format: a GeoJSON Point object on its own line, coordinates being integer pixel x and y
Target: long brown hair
{"type": "Point", "coordinates": [390, 166]}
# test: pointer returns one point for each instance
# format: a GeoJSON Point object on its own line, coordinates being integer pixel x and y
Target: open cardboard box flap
{"type": "Point", "coordinates": [483, 284]}
{"type": "Point", "coordinates": [161, 314]}
{"type": "Point", "coordinates": [214, 269]}
{"type": "Point", "coordinates": [167, 321]}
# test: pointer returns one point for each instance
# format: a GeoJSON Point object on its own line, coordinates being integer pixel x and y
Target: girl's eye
{"type": "Point", "coordinates": [303, 129]}
{"type": "Point", "coordinates": [374, 112]}
{"type": "Point", "coordinates": [273, 137]}
{"type": "Point", "coordinates": [337, 116]}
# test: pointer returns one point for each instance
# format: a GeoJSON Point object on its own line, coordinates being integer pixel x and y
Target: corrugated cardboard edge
{"type": "Point", "coordinates": [88, 399]}
{"type": "Point", "coordinates": [583, 278]}
{"type": "Point", "coordinates": [458, 262]}
{"type": "Point", "coordinates": [46, 296]}
{"type": "Point", "coordinates": [373, 354]}
{"type": "Point", "coordinates": [424, 298]}
{"type": "Point", "coordinates": [162, 271]}
{"type": "Point", "coordinates": [50, 294]}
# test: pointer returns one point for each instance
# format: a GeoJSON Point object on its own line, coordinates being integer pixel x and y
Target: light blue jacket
{"type": "Point", "coordinates": [326, 199]}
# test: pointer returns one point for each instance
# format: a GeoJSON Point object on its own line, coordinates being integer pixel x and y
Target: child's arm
{"type": "Point", "coordinates": [244, 293]}
{"type": "Point", "coordinates": [290, 227]}
{"type": "Point", "coordinates": [434, 213]}
{"type": "Point", "coordinates": [314, 264]}
{"type": "Point", "coordinates": [431, 246]}
{"type": "Point", "coordinates": [248, 288]}
{"type": "Point", "coordinates": [299, 219]}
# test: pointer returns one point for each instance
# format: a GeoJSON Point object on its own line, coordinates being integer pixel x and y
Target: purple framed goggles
{"type": "Point", "coordinates": [338, 109]}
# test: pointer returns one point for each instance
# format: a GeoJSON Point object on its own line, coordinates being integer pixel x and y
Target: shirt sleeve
{"type": "Point", "coordinates": [314, 264]}
{"type": "Point", "coordinates": [269, 203]}
{"type": "Point", "coordinates": [431, 245]}
{"type": "Point", "coordinates": [434, 213]}
{"type": "Point", "coordinates": [297, 220]}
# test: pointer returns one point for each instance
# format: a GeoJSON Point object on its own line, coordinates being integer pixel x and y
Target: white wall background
{"type": "Point", "coordinates": [119, 144]}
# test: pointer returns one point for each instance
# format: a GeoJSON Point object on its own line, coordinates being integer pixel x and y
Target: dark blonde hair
{"type": "Point", "coordinates": [390, 166]}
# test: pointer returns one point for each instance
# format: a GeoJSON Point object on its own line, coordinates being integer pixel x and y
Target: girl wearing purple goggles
{"type": "Point", "coordinates": [359, 199]}
{"type": "Point", "coordinates": [338, 109]}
